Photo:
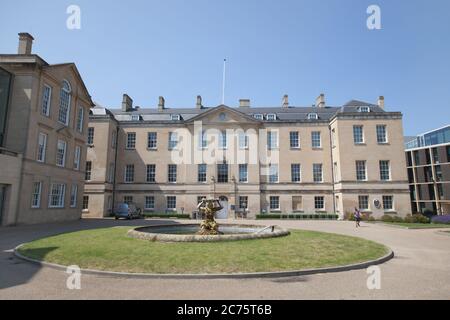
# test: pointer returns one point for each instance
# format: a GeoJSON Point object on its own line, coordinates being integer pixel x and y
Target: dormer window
{"type": "Point", "coordinates": [313, 116]}
{"type": "Point", "coordinates": [271, 117]}
{"type": "Point", "coordinates": [364, 109]}
{"type": "Point", "coordinates": [258, 116]}
{"type": "Point", "coordinates": [135, 117]}
{"type": "Point", "coordinates": [175, 117]}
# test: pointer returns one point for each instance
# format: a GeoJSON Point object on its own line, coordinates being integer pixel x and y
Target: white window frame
{"type": "Point", "coordinates": [129, 173]}
{"type": "Point", "coordinates": [77, 158]}
{"type": "Point", "coordinates": [316, 172]}
{"type": "Point", "coordinates": [277, 200]}
{"type": "Point", "coordinates": [313, 116]}
{"type": "Point", "coordinates": [363, 199]}
{"type": "Point", "coordinates": [146, 204]}
{"type": "Point", "coordinates": [314, 139]}
{"type": "Point", "coordinates": [361, 170]}
{"type": "Point", "coordinates": [63, 164]}
{"type": "Point", "coordinates": [135, 117]}
{"type": "Point", "coordinates": [274, 173]}
{"type": "Point", "coordinates": [152, 140]}
{"type": "Point", "coordinates": [62, 96]}
{"type": "Point", "coordinates": [131, 141]}
{"type": "Point", "coordinates": [243, 200]}
{"type": "Point", "coordinates": [61, 193]}
{"type": "Point", "coordinates": [150, 173]}
{"type": "Point", "coordinates": [172, 173]}
{"type": "Point", "coordinates": [172, 199]}
{"type": "Point", "coordinates": [74, 196]}
{"type": "Point", "coordinates": [173, 141]}
{"type": "Point", "coordinates": [243, 141]}
{"type": "Point", "coordinates": [384, 170]}
{"type": "Point", "coordinates": [358, 136]}
{"type": "Point", "coordinates": [36, 195]}
{"type": "Point", "coordinates": [392, 203]}
{"type": "Point", "coordinates": [385, 134]}
{"type": "Point", "coordinates": [202, 175]}
{"type": "Point", "coordinates": [271, 117]}
{"type": "Point", "coordinates": [272, 140]}
{"type": "Point", "coordinates": [296, 174]}
{"type": "Point", "coordinates": [294, 140]}
{"type": "Point", "coordinates": [317, 200]}
{"type": "Point", "coordinates": [364, 109]}
{"type": "Point", "coordinates": [42, 148]}
{"type": "Point", "coordinates": [88, 171]}
{"type": "Point", "coordinates": [243, 173]}
{"type": "Point", "coordinates": [80, 119]}
{"type": "Point", "coordinates": [258, 116]}
{"type": "Point", "coordinates": [175, 117]}
{"type": "Point", "coordinates": [90, 136]}
{"type": "Point", "coordinates": [46, 100]}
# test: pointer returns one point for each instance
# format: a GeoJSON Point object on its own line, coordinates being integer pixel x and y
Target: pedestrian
{"type": "Point", "coordinates": [358, 217]}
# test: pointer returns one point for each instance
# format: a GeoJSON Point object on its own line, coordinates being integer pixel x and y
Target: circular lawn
{"type": "Point", "coordinates": [111, 250]}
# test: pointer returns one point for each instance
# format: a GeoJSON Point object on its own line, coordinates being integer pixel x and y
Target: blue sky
{"type": "Point", "coordinates": [175, 48]}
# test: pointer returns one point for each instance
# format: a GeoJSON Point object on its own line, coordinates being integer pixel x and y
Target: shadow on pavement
{"type": "Point", "coordinates": [15, 271]}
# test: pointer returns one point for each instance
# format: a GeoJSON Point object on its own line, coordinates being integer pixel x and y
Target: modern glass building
{"type": "Point", "coordinates": [428, 161]}
{"type": "Point", "coordinates": [432, 138]}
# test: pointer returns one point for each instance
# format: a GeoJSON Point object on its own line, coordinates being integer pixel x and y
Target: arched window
{"type": "Point", "coordinates": [64, 103]}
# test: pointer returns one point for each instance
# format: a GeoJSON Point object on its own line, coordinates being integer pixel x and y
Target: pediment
{"type": "Point", "coordinates": [224, 115]}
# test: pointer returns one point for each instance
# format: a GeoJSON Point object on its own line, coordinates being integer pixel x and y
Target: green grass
{"type": "Point", "coordinates": [111, 249]}
{"type": "Point", "coordinates": [419, 225]}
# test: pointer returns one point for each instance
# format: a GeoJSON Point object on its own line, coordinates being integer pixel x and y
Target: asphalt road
{"type": "Point", "coordinates": [420, 270]}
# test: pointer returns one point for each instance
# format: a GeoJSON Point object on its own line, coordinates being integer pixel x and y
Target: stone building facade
{"type": "Point", "coordinates": [44, 111]}
{"type": "Point", "coordinates": [291, 160]}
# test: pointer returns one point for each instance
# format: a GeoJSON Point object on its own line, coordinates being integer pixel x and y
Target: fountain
{"type": "Point", "coordinates": [208, 231]}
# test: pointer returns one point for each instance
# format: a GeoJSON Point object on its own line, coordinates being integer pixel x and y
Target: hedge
{"type": "Point", "coordinates": [167, 215]}
{"type": "Point", "coordinates": [297, 217]}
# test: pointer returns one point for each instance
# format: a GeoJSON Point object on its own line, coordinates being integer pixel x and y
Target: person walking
{"type": "Point", "coordinates": [358, 217]}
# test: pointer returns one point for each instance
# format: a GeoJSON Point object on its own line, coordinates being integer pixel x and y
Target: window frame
{"type": "Point", "coordinates": [361, 175]}
{"type": "Point", "coordinates": [295, 174]}
{"type": "Point", "coordinates": [73, 196]}
{"type": "Point", "coordinates": [358, 135]}
{"type": "Point", "coordinates": [150, 173]}
{"type": "Point", "coordinates": [316, 172]}
{"type": "Point", "coordinates": [152, 140]}
{"type": "Point", "coordinates": [273, 200]}
{"type": "Point", "coordinates": [131, 141]}
{"type": "Point", "coordinates": [129, 173]}
{"type": "Point", "coordinates": [80, 119]}
{"type": "Point", "coordinates": [172, 173]}
{"type": "Point", "coordinates": [243, 173]}
{"type": "Point", "coordinates": [385, 134]}
{"type": "Point", "coordinates": [36, 195]}
{"type": "Point", "coordinates": [61, 194]}
{"type": "Point", "coordinates": [316, 136]}
{"type": "Point", "coordinates": [49, 100]}
{"type": "Point", "coordinates": [294, 136]}
{"type": "Point", "coordinates": [202, 173]}
{"type": "Point", "coordinates": [68, 92]}
{"type": "Point", "coordinates": [42, 154]}
{"type": "Point", "coordinates": [90, 136]}
{"type": "Point", "coordinates": [64, 155]}
{"type": "Point", "coordinates": [384, 170]}
{"type": "Point", "coordinates": [77, 158]}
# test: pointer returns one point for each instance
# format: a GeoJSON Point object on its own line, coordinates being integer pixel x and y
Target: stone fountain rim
{"type": "Point", "coordinates": [137, 233]}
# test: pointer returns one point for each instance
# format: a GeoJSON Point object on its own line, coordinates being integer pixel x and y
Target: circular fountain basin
{"type": "Point", "coordinates": [188, 233]}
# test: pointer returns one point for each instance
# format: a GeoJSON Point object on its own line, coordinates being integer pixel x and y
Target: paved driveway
{"type": "Point", "coordinates": [420, 270]}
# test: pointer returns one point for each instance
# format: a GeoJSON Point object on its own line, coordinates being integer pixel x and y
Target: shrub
{"type": "Point", "coordinates": [441, 219]}
{"type": "Point", "coordinates": [419, 218]}
{"type": "Point", "coordinates": [397, 219]}
{"type": "Point", "coordinates": [409, 219]}
{"type": "Point", "coordinates": [372, 219]}
{"type": "Point", "coordinates": [387, 218]}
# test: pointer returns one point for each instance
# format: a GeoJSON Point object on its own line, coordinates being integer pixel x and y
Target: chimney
{"type": "Point", "coordinates": [244, 103]}
{"type": "Point", "coordinates": [161, 104]}
{"type": "Point", "coordinates": [127, 103]}
{"type": "Point", "coordinates": [381, 102]}
{"type": "Point", "coordinates": [25, 43]}
{"type": "Point", "coordinates": [286, 101]}
{"type": "Point", "coordinates": [320, 101]}
{"type": "Point", "coordinates": [199, 102]}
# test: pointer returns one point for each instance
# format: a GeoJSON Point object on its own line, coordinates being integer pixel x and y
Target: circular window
{"type": "Point", "coordinates": [222, 117]}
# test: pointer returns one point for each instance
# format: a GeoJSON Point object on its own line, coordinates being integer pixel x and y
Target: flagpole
{"type": "Point", "coordinates": [224, 79]}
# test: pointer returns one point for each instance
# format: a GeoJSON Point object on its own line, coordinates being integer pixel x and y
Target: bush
{"type": "Point", "coordinates": [441, 219]}
{"type": "Point", "coordinates": [397, 219]}
{"type": "Point", "coordinates": [372, 219]}
{"type": "Point", "coordinates": [409, 219]}
{"type": "Point", "coordinates": [387, 218]}
{"type": "Point", "coordinates": [420, 218]}
{"type": "Point", "coordinates": [167, 216]}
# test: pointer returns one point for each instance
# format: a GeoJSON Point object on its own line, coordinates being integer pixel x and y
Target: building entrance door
{"type": "Point", "coordinates": [223, 214]}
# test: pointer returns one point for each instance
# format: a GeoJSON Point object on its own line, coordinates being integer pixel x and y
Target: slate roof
{"type": "Point", "coordinates": [283, 114]}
